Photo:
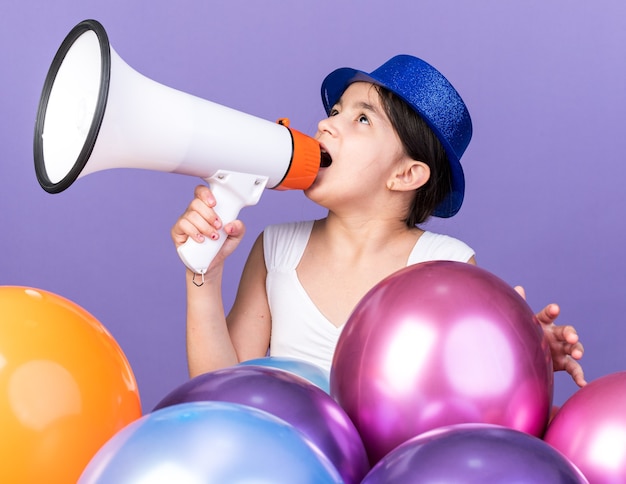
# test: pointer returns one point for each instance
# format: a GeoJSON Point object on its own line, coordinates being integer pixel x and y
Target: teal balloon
{"type": "Point", "coordinates": [309, 371]}
{"type": "Point", "coordinates": [209, 442]}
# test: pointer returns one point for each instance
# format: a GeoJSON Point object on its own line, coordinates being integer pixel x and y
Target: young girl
{"type": "Point", "coordinates": [391, 147]}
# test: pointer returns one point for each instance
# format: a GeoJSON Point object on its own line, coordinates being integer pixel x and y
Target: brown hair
{"type": "Point", "coordinates": [421, 144]}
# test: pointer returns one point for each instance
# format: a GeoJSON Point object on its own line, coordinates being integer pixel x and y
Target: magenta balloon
{"type": "Point", "coordinates": [590, 429]}
{"type": "Point", "coordinates": [480, 453]}
{"type": "Point", "coordinates": [290, 397]}
{"type": "Point", "coordinates": [436, 344]}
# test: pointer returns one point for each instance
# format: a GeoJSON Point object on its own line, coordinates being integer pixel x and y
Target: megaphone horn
{"type": "Point", "coordinates": [97, 113]}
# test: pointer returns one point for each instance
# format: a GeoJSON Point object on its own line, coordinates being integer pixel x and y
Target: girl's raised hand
{"type": "Point", "coordinates": [565, 347]}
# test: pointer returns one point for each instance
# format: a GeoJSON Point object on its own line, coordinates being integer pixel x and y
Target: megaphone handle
{"type": "Point", "coordinates": [232, 192]}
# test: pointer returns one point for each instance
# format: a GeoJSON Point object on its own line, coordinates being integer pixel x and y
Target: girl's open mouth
{"type": "Point", "coordinates": [326, 160]}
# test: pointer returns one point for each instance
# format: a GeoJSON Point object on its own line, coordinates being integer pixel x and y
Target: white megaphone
{"type": "Point", "coordinates": [97, 113]}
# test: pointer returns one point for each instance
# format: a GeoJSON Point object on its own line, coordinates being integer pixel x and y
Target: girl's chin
{"type": "Point", "coordinates": [312, 192]}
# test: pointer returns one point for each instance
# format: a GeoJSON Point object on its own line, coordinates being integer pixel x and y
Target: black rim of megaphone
{"type": "Point", "coordinates": [90, 141]}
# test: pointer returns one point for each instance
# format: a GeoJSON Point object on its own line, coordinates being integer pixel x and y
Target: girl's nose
{"type": "Point", "coordinates": [326, 126]}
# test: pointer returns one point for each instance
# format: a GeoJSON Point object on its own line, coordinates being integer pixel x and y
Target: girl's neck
{"type": "Point", "coordinates": [363, 233]}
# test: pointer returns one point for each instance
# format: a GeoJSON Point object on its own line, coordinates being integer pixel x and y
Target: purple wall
{"type": "Point", "coordinates": [545, 83]}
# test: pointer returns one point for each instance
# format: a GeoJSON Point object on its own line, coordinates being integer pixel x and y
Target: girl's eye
{"type": "Point", "coordinates": [333, 112]}
{"type": "Point", "coordinates": [363, 119]}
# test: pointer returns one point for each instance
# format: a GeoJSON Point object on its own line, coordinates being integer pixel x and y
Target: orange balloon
{"type": "Point", "coordinates": [66, 387]}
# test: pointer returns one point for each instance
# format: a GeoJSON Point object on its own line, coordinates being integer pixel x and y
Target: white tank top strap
{"type": "Point", "coordinates": [432, 246]}
{"type": "Point", "coordinates": [283, 245]}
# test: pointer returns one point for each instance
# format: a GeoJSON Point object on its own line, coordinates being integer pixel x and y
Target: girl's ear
{"type": "Point", "coordinates": [409, 175]}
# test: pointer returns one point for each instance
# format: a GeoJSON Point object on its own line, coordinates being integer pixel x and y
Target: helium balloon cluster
{"type": "Point", "coordinates": [442, 373]}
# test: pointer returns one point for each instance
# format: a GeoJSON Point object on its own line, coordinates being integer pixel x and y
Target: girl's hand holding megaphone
{"type": "Point", "coordinates": [200, 221]}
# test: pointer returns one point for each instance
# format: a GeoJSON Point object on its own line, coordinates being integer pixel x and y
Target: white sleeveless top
{"type": "Point", "coordinates": [299, 329]}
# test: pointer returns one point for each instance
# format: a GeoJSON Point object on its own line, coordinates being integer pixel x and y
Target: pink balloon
{"type": "Point", "coordinates": [590, 429]}
{"type": "Point", "coordinates": [436, 344]}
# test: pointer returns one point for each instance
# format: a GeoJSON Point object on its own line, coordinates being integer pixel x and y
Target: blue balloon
{"type": "Point", "coordinates": [315, 374]}
{"type": "Point", "coordinates": [474, 453]}
{"type": "Point", "coordinates": [290, 397]}
{"type": "Point", "coordinates": [209, 442]}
